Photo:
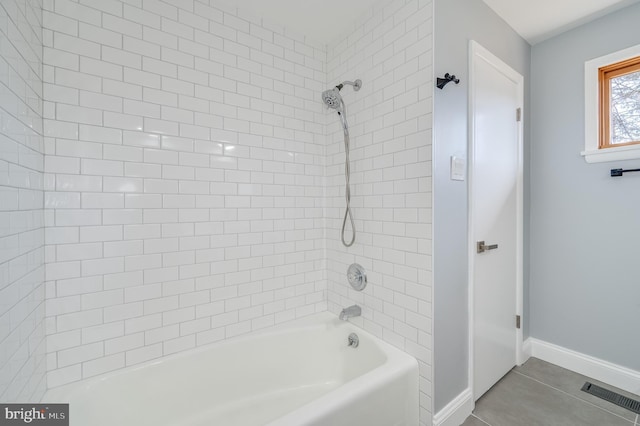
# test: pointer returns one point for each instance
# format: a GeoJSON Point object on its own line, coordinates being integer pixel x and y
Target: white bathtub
{"type": "Point", "coordinates": [299, 373]}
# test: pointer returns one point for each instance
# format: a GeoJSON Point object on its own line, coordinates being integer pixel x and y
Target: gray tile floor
{"type": "Point", "coordinates": [542, 394]}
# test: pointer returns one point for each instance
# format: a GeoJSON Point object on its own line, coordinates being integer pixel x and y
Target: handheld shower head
{"type": "Point", "coordinates": [332, 98]}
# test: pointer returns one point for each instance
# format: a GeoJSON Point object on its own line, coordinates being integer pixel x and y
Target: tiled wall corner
{"type": "Point", "coordinates": [390, 49]}
{"type": "Point", "coordinates": [184, 179]}
{"type": "Point", "coordinates": [22, 337]}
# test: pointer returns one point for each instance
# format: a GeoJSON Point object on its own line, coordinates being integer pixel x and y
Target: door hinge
{"type": "Point", "coordinates": [517, 321]}
{"type": "Point", "coordinates": [519, 114]}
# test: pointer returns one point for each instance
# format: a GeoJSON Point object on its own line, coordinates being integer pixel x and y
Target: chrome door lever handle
{"type": "Point", "coordinates": [481, 247]}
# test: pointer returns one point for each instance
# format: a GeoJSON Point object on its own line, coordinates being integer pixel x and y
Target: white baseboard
{"type": "Point", "coordinates": [604, 371]}
{"type": "Point", "coordinates": [455, 412]}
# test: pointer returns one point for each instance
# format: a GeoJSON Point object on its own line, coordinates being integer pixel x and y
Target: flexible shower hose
{"type": "Point", "coordinates": [347, 177]}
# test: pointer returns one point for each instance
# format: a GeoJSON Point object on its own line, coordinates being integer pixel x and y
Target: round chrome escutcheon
{"type": "Point", "coordinates": [357, 277]}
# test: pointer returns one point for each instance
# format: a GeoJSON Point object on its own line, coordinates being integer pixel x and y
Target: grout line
{"type": "Point", "coordinates": [575, 397]}
{"type": "Point", "coordinates": [636, 422]}
{"type": "Point", "coordinates": [473, 415]}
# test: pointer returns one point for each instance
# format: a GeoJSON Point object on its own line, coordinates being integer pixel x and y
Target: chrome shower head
{"type": "Point", "coordinates": [332, 98]}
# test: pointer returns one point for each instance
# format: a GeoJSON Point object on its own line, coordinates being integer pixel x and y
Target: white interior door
{"type": "Point", "coordinates": [495, 216]}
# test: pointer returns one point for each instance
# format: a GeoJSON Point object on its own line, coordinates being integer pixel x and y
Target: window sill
{"type": "Point", "coordinates": [630, 152]}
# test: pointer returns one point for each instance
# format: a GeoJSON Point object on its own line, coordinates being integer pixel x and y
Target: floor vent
{"type": "Point", "coordinates": [615, 398]}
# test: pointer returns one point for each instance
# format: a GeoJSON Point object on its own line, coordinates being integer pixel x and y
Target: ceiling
{"type": "Point", "coordinates": [538, 20]}
{"type": "Point", "coordinates": [320, 20]}
{"type": "Point", "coordinates": [325, 20]}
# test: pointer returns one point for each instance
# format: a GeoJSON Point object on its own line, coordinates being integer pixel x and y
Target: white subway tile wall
{"type": "Point", "coordinates": [22, 290]}
{"type": "Point", "coordinates": [390, 49]}
{"type": "Point", "coordinates": [184, 179]}
{"type": "Point", "coordinates": [194, 187]}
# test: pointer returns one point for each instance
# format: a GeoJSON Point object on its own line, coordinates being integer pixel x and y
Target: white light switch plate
{"type": "Point", "coordinates": [458, 168]}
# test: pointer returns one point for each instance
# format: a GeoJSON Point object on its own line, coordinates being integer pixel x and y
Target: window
{"type": "Point", "coordinates": [620, 103]}
{"type": "Point", "coordinates": [612, 107]}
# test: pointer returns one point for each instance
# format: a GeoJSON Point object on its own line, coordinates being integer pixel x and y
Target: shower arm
{"type": "Point", "coordinates": [356, 84]}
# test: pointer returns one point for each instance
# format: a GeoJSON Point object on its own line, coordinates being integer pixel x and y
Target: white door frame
{"type": "Point", "coordinates": [477, 51]}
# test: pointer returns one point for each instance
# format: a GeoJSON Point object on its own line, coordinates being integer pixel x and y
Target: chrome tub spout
{"type": "Point", "coordinates": [351, 311]}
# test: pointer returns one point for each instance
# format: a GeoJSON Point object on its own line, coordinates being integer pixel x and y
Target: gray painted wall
{"type": "Point", "coordinates": [585, 225]}
{"type": "Point", "coordinates": [457, 22]}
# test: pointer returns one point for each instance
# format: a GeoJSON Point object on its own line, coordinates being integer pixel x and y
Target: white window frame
{"type": "Point", "coordinates": [592, 153]}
